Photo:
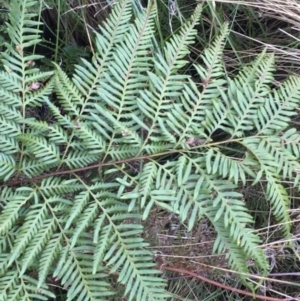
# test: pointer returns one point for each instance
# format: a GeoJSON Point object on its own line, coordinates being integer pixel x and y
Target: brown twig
{"type": "Point", "coordinates": [76, 170]}
{"type": "Point", "coordinates": [224, 286]}
{"type": "Point", "coordinates": [102, 164]}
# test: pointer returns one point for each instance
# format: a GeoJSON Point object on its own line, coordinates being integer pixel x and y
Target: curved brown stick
{"type": "Point", "coordinates": [192, 274]}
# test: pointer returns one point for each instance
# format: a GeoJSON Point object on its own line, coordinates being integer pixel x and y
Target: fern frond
{"type": "Point", "coordinates": [37, 244]}
{"type": "Point", "coordinates": [74, 270]}
{"type": "Point", "coordinates": [87, 216]}
{"type": "Point", "coordinates": [31, 168]}
{"type": "Point", "coordinates": [247, 97]}
{"type": "Point", "coordinates": [147, 180]}
{"type": "Point", "coordinates": [79, 158]}
{"type": "Point", "coordinates": [291, 141]}
{"type": "Point", "coordinates": [43, 151]}
{"type": "Point", "coordinates": [102, 243]}
{"type": "Point", "coordinates": [81, 200]}
{"type": "Point", "coordinates": [267, 157]}
{"type": "Point", "coordinates": [232, 230]}
{"type": "Point", "coordinates": [14, 287]}
{"type": "Point", "coordinates": [280, 203]}
{"type": "Point", "coordinates": [232, 168]}
{"type": "Point", "coordinates": [134, 264]}
{"type": "Point", "coordinates": [11, 211]}
{"type": "Point", "coordinates": [49, 255]}
{"type": "Point", "coordinates": [235, 253]}
{"type": "Point", "coordinates": [69, 95]}
{"type": "Point", "coordinates": [9, 85]}
{"type": "Point", "coordinates": [278, 108]}
{"type": "Point", "coordinates": [126, 254]}
{"type": "Point", "coordinates": [195, 105]}
{"type": "Point", "coordinates": [201, 195]}
{"type": "Point", "coordinates": [8, 166]}
{"type": "Point", "coordinates": [114, 31]}
{"type": "Point", "coordinates": [54, 186]}
{"type": "Point", "coordinates": [165, 83]}
{"type": "Point", "coordinates": [33, 224]}
{"type": "Point", "coordinates": [128, 67]}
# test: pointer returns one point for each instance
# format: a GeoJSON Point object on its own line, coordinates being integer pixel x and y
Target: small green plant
{"type": "Point", "coordinates": [129, 132]}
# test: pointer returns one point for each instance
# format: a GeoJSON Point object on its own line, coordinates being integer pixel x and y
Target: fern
{"type": "Point", "coordinates": [71, 206]}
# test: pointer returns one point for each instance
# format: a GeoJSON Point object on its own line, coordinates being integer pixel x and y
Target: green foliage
{"type": "Point", "coordinates": [71, 205]}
